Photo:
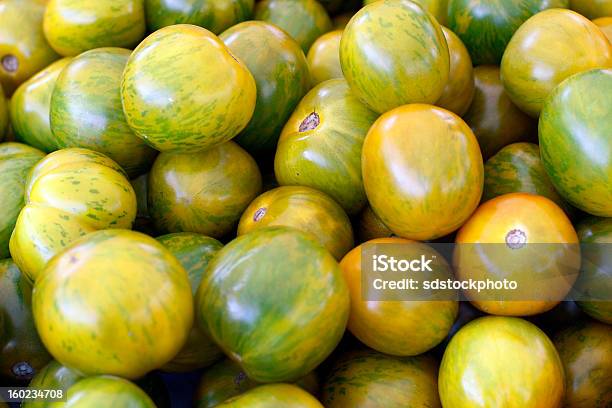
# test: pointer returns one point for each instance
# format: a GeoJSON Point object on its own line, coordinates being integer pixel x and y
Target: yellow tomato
{"type": "Point", "coordinates": [115, 302]}
{"type": "Point", "coordinates": [459, 91]}
{"type": "Point", "coordinates": [422, 171]}
{"type": "Point", "coordinates": [68, 194]}
{"type": "Point", "coordinates": [401, 328]}
{"type": "Point", "coordinates": [324, 57]}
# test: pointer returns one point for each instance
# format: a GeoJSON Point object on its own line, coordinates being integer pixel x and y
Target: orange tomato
{"type": "Point", "coordinates": [528, 239]}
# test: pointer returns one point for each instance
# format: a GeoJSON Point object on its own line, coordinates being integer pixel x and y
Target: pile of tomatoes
{"type": "Point", "coordinates": [190, 189]}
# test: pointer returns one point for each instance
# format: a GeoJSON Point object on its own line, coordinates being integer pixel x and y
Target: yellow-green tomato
{"type": "Point", "coordinates": [422, 171]}
{"type": "Point", "coordinates": [70, 193]}
{"type": "Point", "coordinates": [203, 192]}
{"type": "Point", "coordinates": [324, 57]}
{"type": "Point", "coordinates": [387, 64]}
{"type": "Point", "coordinates": [30, 107]}
{"type": "Point", "coordinates": [548, 48]}
{"type": "Point", "coordinates": [115, 302]}
{"type": "Point", "coordinates": [592, 8]}
{"type": "Point", "coordinates": [459, 91]}
{"type": "Point", "coordinates": [183, 90]}
{"type": "Point", "coordinates": [75, 26]}
{"type": "Point", "coordinates": [23, 48]}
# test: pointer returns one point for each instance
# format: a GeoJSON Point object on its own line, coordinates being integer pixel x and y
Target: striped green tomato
{"type": "Point", "coordinates": [586, 352]}
{"type": "Point", "coordinates": [273, 395]}
{"type": "Point", "coordinates": [53, 376]}
{"type": "Point", "coordinates": [226, 379]}
{"type": "Point", "coordinates": [75, 26]}
{"type": "Point", "coordinates": [438, 8]}
{"type": "Point", "coordinates": [459, 90]}
{"type": "Point", "coordinates": [214, 15]}
{"type": "Point", "coordinates": [276, 302]}
{"type": "Point", "coordinates": [204, 192]}
{"type": "Point", "coordinates": [194, 252]}
{"type": "Point", "coordinates": [68, 194]}
{"type": "Point", "coordinates": [22, 353]}
{"type": "Point", "coordinates": [320, 146]}
{"type": "Point", "coordinates": [360, 377]}
{"type": "Point", "coordinates": [575, 140]}
{"type": "Point", "coordinates": [303, 208]}
{"type": "Point", "coordinates": [494, 118]}
{"type": "Point", "coordinates": [517, 168]}
{"type": "Point", "coordinates": [182, 89]}
{"type": "Point", "coordinates": [30, 107]}
{"type": "Point", "coordinates": [594, 284]}
{"type": "Point", "coordinates": [501, 362]}
{"type": "Point", "coordinates": [592, 8]}
{"type": "Point", "coordinates": [106, 391]}
{"type": "Point", "coordinates": [486, 26]}
{"type": "Point", "coordinates": [16, 160]}
{"type": "Point", "coordinates": [548, 48]}
{"type": "Point", "coordinates": [89, 320]}
{"type": "Point", "coordinates": [387, 65]}
{"type": "Point", "coordinates": [281, 74]}
{"type": "Point", "coordinates": [304, 20]}
{"type": "Point", "coordinates": [86, 110]}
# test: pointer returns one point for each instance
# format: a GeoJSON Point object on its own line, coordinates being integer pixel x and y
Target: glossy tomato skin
{"type": "Point", "coordinates": [501, 361]}
{"type": "Point", "coordinates": [459, 90]}
{"type": "Point", "coordinates": [126, 333]}
{"type": "Point", "coordinates": [106, 389]}
{"type": "Point", "coordinates": [415, 197]}
{"type": "Point", "coordinates": [282, 77]}
{"type": "Point", "coordinates": [30, 107]}
{"type": "Point", "coordinates": [226, 379]}
{"type": "Point", "coordinates": [183, 90]}
{"type": "Point", "coordinates": [487, 26]}
{"type": "Point", "coordinates": [259, 271]}
{"type": "Point", "coordinates": [369, 226]}
{"type": "Point", "coordinates": [605, 24]}
{"type": "Point", "coordinates": [22, 353]}
{"type": "Point", "coordinates": [401, 328]}
{"type": "Point", "coordinates": [494, 118]}
{"type": "Point", "coordinates": [304, 20]}
{"type": "Point", "coordinates": [548, 48]}
{"type": "Point", "coordinates": [23, 49]}
{"type": "Point", "coordinates": [361, 377]}
{"type": "Point", "coordinates": [594, 281]}
{"type": "Point", "coordinates": [4, 114]}
{"type": "Point", "coordinates": [586, 352]}
{"type": "Point", "coordinates": [592, 8]}
{"type": "Point", "coordinates": [52, 376]}
{"type": "Point", "coordinates": [204, 192]}
{"type": "Point", "coordinates": [194, 252]}
{"type": "Point", "coordinates": [416, 62]}
{"type": "Point", "coordinates": [569, 128]}
{"type": "Point", "coordinates": [303, 208]}
{"type": "Point", "coordinates": [75, 26]}
{"type": "Point", "coordinates": [517, 168]}
{"type": "Point", "coordinates": [524, 233]}
{"type": "Point", "coordinates": [16, 160]}
{"type": "Point", "coordinates": [69, 193]}
{"type": "Point", "coordinates": [321, 144]}
{"type": "Point", "coordinates": [324, 57]}
{"type": "Point", "coordinates": [85, 110]}
{"type": "Point", "coordinates": [273, 395]}
{"type": "Point", "coordinates": [214, 15]}
{"type": "Point", "coordinates": [438, 8]}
